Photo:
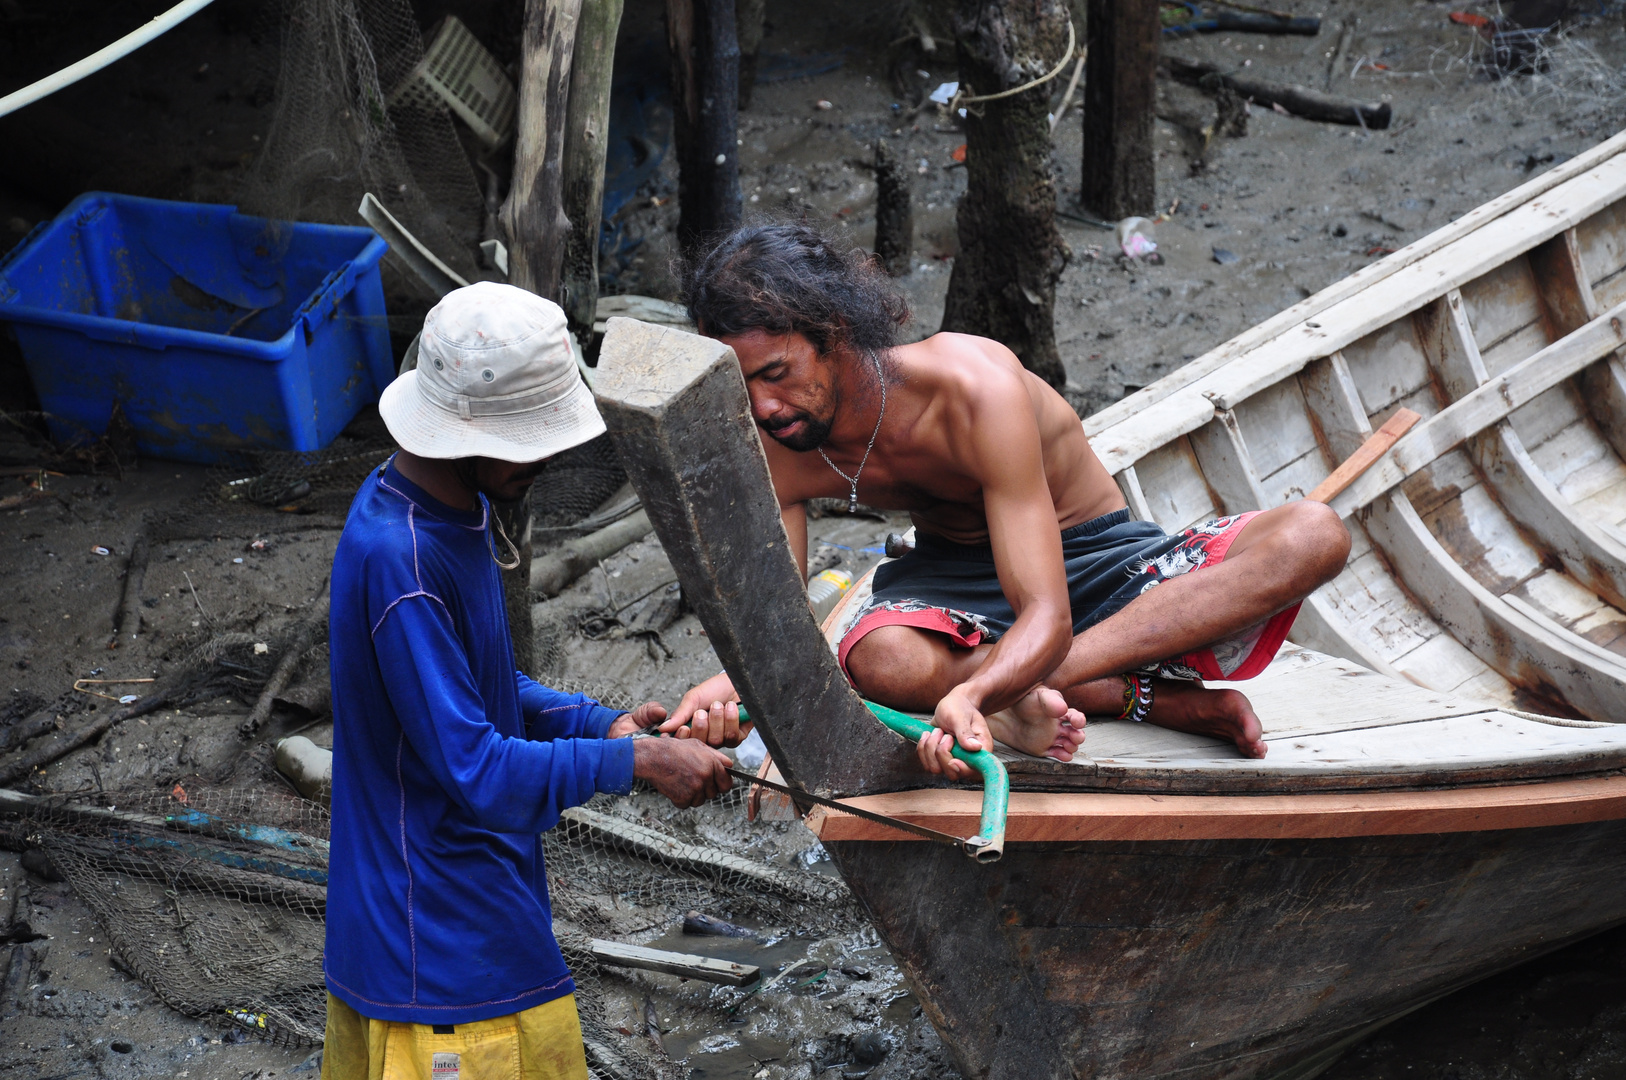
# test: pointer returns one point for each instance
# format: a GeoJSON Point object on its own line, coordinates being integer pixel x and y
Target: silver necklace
{"type": "Point", "coordinates": [852, 498]}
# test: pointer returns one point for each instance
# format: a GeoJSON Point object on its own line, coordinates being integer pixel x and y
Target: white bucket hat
{"type": "Point", "coordinates": [495, 378]}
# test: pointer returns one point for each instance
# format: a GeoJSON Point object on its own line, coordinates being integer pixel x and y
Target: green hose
{"type": "Point", "coordinates": [989, 843]}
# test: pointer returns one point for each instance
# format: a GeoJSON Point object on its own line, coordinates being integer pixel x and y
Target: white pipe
{"type": "Point", "coordinates": [99, 59]}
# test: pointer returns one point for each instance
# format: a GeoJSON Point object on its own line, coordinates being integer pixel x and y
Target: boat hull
{"type": "Point", "coordinates": [1218, 959]}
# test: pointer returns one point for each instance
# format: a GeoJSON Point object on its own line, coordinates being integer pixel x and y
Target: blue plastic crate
{"type": "Point", "coordinates": [216, 332]}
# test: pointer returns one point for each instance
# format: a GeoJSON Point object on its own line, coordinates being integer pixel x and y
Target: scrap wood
{"type": "Point", "coordinates": [127, 618]}
{"type": "Point", "coordinates": [303, 642]}
{"type": "Point", "coordinates": [1298, 100]}
{"type": "Point", "coordinates": [22, 765]}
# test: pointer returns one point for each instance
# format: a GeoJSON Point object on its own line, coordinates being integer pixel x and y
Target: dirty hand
{"type": "Point", "coordinates": [955, 718]}
{"type": "Point", "coordinates": [710, 714]}
{"type": "Point", "coordinates": [685, 771]}
{"type": "Point", "coordinates": [650, 712]}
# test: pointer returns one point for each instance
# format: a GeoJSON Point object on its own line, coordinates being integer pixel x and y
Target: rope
{"type": "Point", "coordinates": [99, 59]}
{"type": "Point", "coordinates": [1013, 91]}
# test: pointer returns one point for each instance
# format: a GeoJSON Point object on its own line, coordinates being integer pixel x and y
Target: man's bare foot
{"type": "Point", "coordinates": [1224, 714]}
{"type": "Point", "coordinates": [1040, 724]}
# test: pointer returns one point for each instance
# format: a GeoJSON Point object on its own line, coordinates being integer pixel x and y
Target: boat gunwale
{"type": "Point", "coordinates": [1074, 817]}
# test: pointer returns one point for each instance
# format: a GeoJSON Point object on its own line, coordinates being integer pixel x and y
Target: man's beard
{"type": "Point", "coordinates": [814, 433]}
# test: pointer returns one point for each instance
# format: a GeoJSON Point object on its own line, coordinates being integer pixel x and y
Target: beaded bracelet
{"type": "Point", "coordinates": [1137, 698]}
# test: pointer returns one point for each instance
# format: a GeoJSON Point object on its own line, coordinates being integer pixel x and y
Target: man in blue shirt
{"type": "Point", "coordinates": [447, 761]}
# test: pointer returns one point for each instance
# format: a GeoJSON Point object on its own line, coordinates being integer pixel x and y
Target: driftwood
{"type": "Point", "coordinates": [553, 572]}
{"type": "Point", "coordinates": [22, 766]}
{"type": "Point", "coordinates": [1298, 100]}
{"type": "Point", "coordinates": [127, 619]}
{"type": "Point", "coordinates": [310, 633]}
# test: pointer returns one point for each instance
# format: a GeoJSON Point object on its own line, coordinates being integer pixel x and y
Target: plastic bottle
{"type": "Point", "coordinates": [309, 767]}
{"type": "Point", "coordinates": [825, 589]}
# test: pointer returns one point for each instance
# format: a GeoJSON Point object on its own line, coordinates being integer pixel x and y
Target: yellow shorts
{"type": "Point", "coordinates": [544, 1043]}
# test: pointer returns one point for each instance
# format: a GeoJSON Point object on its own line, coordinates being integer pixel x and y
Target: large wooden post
{"type": "Point", "coordinates": [705, 116]}
{"type": "Point", "coordinates": [676, 406]}
{"type": "Point", "coordinates": [1003, 284]}
{"type": "Point", "coordinates": [586, 141]}
{"type": "Point", "coordinates": [537, 227]}
{"type": "Point", "coordinates": [534, 215]}
{"type": "Point", "coordinates": [1120, 103]}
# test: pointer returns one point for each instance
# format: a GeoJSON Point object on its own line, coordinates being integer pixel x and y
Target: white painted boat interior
{"type": "Point", "coordinates": [1497, 570]}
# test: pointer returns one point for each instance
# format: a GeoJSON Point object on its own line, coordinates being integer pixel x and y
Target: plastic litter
{"type": "Point", "coordinates": [99, 550]}
{"type": "Point", "coordinates": [944, 93]}
{"type": "Point", "coordinates": [1135, 238]}
{"type": "Point", "coordinates": [1224, 256]}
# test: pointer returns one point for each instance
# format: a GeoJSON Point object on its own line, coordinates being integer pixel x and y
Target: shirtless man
{"type": "Point", "coordinates": [1029, 600]}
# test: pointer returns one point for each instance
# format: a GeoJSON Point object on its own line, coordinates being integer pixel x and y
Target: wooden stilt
{"type": "Point", "coordinates": [1003, 284]}
{"type": "Point", "coordinates": [1120, 103]}
{"type": "Point", "coordinates": [705, 116]}
{"type": "Point", "coordinates": [894, 213]}
{"type": "Point", "coordinates": [534, 215]}
{"type": "Point", "coordinates": [586, 142]}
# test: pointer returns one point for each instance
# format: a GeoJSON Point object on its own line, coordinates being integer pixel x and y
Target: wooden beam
{"type": "Point", "coordinates": [1120, 104]}
{"type": "Point", "coordinates": [1524, 646]}
{"type": "Point", "coordinates": [1476, 411]}
{"type": "Point", "coordinates": [586, 142]}
{"type": "Point", "coordinates": [1590, 554]}
{"type": "Point", "coordinates": [688, 965]}
{"type": "Point", "coordinates": [677, 409]}
{"type": "Point", "coordinates": [1043, 817]}
{"type": "Point", "coordinates": [534, 216]}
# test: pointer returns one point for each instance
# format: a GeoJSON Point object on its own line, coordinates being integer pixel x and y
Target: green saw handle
{"type": "Point", "coordinates": [989, 843]}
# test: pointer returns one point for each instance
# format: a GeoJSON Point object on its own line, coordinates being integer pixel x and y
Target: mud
{"type": "Point", "coordinates": [1298, 204]}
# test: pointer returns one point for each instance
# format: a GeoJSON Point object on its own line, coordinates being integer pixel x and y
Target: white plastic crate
{"type": "Point", "coordinates": [456, 70]}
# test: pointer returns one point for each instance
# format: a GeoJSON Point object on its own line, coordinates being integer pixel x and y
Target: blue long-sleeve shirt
{"type": "Point", "coordinates": [447, 764]}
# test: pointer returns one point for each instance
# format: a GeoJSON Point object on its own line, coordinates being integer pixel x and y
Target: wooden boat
{"type": "Point", "coordinates": [1444, 796]}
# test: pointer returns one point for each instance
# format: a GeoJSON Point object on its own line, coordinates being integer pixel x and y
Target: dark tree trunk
{"type": "Point", "coordinates": [894, 213]}
{"type": "Point", "coordinates": [585, 146]}
{"type": "Point", "coordinates": [705, 116]}
{"type": "Point", "coordinates": [748, 23]}
{"type": "Point", "coordinates": [534, 215]}
{"type": "Point", "coordinates": [1004, 281]}
{"type": "Point", "coordinates": [1120, 105]}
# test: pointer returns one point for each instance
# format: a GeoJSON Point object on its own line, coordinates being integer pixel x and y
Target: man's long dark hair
{"type": "Point", "coordinates": [791, 278]}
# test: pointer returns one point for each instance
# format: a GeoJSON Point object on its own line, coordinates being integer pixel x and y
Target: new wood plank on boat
{"type": "Point", "coordinates": [1047, 817]}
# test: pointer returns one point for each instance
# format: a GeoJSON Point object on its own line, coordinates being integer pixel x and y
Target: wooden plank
{"type": "Point", "coordinates": [676, 407]}
{"type": "Point", "coordinates": [1177, 494]}
{"type": "Point", "coordinates": [1600, 244]}
{"type": "Point", "coordinates": [1277, 426]}
{"type": "Point", "coordinates": [1487, 405]}
{"type": "Point", "coordinates": [1129, 483]}
{"type": "Point", "coordinates": [1387, 366]}
{"type": "Point", "coordinates": [1530, 653]}
{"type": "Point", "coordinates": [1227, 466]}
{"type": "Point", "coordinates": [1321, 626]}
{"type": "Point", "coordinates": [1362, 459]}
{"type": "Point", "coordinates": [687, 965]}
{"type": "Point", "coordinates": [1307, 309]}
{"type": "Point", "coordinates": [1443, 663]}
{"type": "Point", "coordinates": [1092, 818]}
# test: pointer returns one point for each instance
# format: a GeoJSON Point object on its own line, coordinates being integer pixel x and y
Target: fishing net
{"type": "Point", "coordinates": [213, 893]}
{"type": "Point", "coordinates": [341, 128]}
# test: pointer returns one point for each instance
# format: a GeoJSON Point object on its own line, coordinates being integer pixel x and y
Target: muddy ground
{"type": "Point", "coordinates": [1299, 205]}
